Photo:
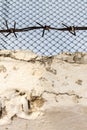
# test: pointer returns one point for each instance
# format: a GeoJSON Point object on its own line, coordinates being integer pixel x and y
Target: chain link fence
{"type": "Point", "coordinates": [48, 12]}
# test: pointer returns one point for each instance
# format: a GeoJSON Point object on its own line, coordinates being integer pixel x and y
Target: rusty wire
{"type": "Point", "coordinates": [70, 29]}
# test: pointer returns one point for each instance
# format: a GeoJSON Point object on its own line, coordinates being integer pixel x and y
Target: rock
{"type": "Point", "coordinates": [43, 90]}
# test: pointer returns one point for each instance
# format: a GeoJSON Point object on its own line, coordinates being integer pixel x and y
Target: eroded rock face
{"type": "Point", "coordinates": [31, 84]}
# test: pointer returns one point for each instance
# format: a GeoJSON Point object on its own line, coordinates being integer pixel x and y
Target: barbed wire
{"type": "Point", "coordinates": [71, 29]}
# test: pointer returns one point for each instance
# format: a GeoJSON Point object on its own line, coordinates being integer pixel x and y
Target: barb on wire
{"type": "Point", "coordinates": [44, 28]}
{"type": "Point", "coordinates": [71, 29]}
{"type": "Point", "coordinates": [10, 30]}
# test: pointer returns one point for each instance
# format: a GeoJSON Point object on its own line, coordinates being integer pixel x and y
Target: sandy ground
{"type": "Point", "coordinates": [55, 119]}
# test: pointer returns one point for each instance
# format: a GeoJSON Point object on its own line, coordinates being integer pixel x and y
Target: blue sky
{"type": "Point", "coordinates": [48, 12]}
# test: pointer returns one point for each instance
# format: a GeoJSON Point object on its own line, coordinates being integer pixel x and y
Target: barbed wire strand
{"type": "Point", "coordinates": [71, 29]}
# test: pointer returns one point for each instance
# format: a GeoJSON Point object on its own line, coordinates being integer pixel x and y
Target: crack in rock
{"type": "Point", "coordinates": [57, 94]}
{"type": "Point", "coordinates": [77, 57]}
{"type": "Point", "coordinates": [41, 60]}
{"type": "Point", "coordinates": [13, 57]}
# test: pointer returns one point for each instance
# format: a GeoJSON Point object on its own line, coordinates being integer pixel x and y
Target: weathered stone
{"type": "Point", "coordinates": [41, 89]}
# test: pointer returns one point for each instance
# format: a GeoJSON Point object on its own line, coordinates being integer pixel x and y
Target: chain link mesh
{"type": "Point", "coordinates": [48, 12]}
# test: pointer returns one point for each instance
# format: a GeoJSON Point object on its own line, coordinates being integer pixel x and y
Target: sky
{"type": "Point", "coordinates": [48, 12]}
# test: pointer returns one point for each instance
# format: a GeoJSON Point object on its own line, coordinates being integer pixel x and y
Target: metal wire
{"type": "Point", "coordinates": [63, 25]}
{"type": "Point", "coordinates": [71, 29]}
